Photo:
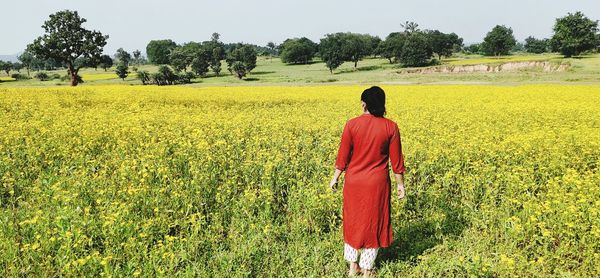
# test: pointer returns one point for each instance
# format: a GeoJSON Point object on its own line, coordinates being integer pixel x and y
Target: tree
{"type": "Point", "coordinates": [574, 34]}
{"type": "Point", "coordinates": [444, 44]}
{"type": "Point", "coordinates": [201, 61]}
{"type": "Point", "coordinates": [17, 66]}
{"type": "Point", "coordinates": [122, 70]}
{"type": "Point", "coordinates": [6, 66]}
{"type": "Point", "coordinates": [392, 46]}
{"type": "Point", "coordinates": [241, 60]}
{"type": "Point", "coordinates": [410, 27]}
{"type": "Point", "coordinates": [518, 47]}
{"type": "Point", "coordinates": [180, 58]}
{"type": "Point", "coordinates": [66, 40]}
{"type": "Point", "coordinates": [106, 62]}
{"type": "Point", "coordinates": [123, 56]}
{"type": "Point", "coordinates": [416, 51]}
{"type": "Point", "coordinates": [298, 50]}
{"type": "Point", "coordinates": [474, 48]}
{"type": "Point", "coordinates": [533, 45]}
{"type": "Point", "coordinates": [355, 47]}
{"type": "Point", "coordinates": [498, 41]}
{"type": "Point", "coordinates": [374, 45]}
{"type": "Point", "coordinates": [330, 49]}
{"type": "Point", "coordinates": [137, 57]}
{"type": "Point", "coordinates": [158, 51]}
{"type": "Point", "coordinates": [27, 60]}
{"type": "Point", "coordinates": [216, 52]}
{"type": "Point", "coordinates": [272, 48]}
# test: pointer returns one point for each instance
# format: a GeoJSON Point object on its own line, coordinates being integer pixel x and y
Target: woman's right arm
{"type": "Point", "coordinates": [400, 182]}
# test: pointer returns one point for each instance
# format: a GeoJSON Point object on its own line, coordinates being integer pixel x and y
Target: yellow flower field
{"type": "Point", "coordinates": [99, 75]}
{"type": "Point", "coordinates": [233, 181]}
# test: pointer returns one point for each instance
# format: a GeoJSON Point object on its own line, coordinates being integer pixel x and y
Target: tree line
{"type": "Point", "coordinates": [67, 44]}
{"type": "Point", "coordinates": [573, 35]}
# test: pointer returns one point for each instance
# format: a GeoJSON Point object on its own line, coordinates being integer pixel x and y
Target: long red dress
{"type": "Point", "coordinates": [367, 144]}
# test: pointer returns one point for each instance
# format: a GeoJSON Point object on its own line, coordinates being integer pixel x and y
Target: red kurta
{"type": "Point", "coordinates": [367, 144]}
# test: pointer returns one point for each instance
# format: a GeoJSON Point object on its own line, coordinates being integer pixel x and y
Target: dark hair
{"type": "Point", "coordinates": [374, 97]}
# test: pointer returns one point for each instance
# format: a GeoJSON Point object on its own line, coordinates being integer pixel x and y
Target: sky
{"type": "Point", "coordinates": [131, 24]}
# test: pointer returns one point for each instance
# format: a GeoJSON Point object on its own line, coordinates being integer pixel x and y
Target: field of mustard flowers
{"type": "Point", "coordinates": [110, 181]}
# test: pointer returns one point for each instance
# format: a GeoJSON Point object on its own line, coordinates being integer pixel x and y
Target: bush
{"type": "Point", "coordinates": [66, 77]}
{"type": "Point", "coordinates": [185, 78]}
{"type": "Point", "coordinates": [143, 76]}
{"type": "Point", "coordinates": [165, 76]}
{"type": "Point", "coordinates": [42, 76]}
{"type": "Point", "coordinates": [18, 76]}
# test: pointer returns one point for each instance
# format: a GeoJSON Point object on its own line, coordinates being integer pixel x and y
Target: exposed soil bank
{"type": "Point", "coordinates": [545, 66]}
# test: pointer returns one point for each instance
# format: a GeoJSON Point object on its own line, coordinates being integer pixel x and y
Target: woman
{"type": "Point", "coordinates": [368, 141]}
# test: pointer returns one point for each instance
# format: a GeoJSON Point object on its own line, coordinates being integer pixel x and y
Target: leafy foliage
{"type": "Point", "coordinates": [331, 51]}
{"type": "Point", "coordinates": [123, 56]}
{"type": "Point", "coordinates": [444, 44]}
{"type": "Point", "coordinates": [106, 62]}
{"type": "Point", "coordinates": [499, 41]}
{"type": "Point", "coordinates": [241, 60]}
{"type": "Point", "coordinates": [298, 51]}
{"type": "Point", "coordinates": [416, 51]}
{"type": "Point", "coordinates": [122, 70]}
{"type": "Point", "coordinates": [574, 34]}
{"type": "Point", "coordinates": [66, 41]}
{"type": "Point", "coordinates": [143, 76]}
{"type": "Point", "coordinates": [158, 51]}
{"type": "Point", "coordinates": [533, 45]}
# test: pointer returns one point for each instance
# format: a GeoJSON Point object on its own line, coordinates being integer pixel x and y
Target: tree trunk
{"type": "Point", "coordinates": [355, 64]}
{"type": "Point", "coordinates": [73, 74]}
{"type": "Point", "coordinates": [28, 72]}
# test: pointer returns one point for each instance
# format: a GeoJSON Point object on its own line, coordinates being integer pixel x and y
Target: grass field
{"type": "Point", "coordinates": [372, 70]}
{"type": "Point", "coordinates": [232, 181]}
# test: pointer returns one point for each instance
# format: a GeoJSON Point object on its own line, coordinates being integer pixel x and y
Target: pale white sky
{"type": "Point", "coordinates": [132, 23]}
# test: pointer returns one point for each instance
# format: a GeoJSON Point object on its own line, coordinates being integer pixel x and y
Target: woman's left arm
{"type": "Point", "coordinates": [334, 180]}
{"type": "Point", "coordinates": [343, 156]}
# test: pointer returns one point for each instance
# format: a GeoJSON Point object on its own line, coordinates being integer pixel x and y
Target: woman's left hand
{"type": "Point", "coordinates": [333, 184]}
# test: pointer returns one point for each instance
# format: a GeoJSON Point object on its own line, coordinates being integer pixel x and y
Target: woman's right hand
{"type": "Point", "coordinates": [400, 191]}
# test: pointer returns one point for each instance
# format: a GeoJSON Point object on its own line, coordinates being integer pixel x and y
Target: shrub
{"type": "Point", "coordinates": [143, 76]}
{"type": "Point", "coordinates": [18, 76]}
{"type": "Point", "coordinates": [42, 76]}
{"type": "Point", "coordinates": [185, 78]}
